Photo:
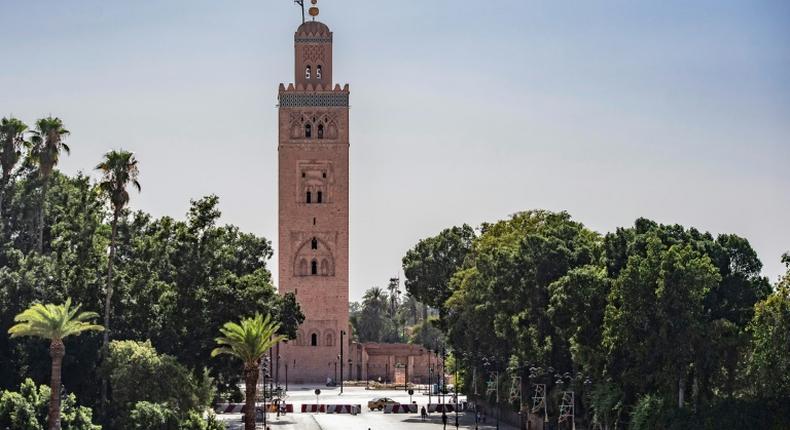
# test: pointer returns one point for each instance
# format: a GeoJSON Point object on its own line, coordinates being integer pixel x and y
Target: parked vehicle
{"type": "Point", "coordinates": [379, 403]}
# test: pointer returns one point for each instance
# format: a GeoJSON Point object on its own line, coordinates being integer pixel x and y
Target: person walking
{"type": "Point", "coordinates": [423, 413]}
{"type": "Point", "coordinates": [444, 418]}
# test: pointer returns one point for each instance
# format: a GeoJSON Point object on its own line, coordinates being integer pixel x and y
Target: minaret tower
{"type": "Point", "coordinates": [313, 206]}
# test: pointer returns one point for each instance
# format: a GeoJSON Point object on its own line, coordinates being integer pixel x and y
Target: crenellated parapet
{"type": "Point", "coordinates": [310, 95]}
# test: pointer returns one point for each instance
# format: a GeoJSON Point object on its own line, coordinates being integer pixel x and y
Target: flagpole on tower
{"type": "Point", "coordinates": [301, 4]}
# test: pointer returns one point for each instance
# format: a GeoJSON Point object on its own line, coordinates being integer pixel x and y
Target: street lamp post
{"type": "Point", "coordinates": [455, 385]}
{"type": "Point", "coordinates": [342, 333]}
{"type": "Point", "coordinates": [286, 376]}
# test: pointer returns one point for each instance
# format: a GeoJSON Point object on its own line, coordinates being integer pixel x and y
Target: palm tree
{"type": "Point", "coordinates": [375, 298]}
{"type": "Point", "coordinates": [248, 341]}
{"type": "Point", "coordinates": [54, 322]}
{"type": "Point", "coordinates": [119, 170]}
{"type": "Point", "coordinates": [12, 141]}
{"type": "Point", "coordinates": [47, 144]}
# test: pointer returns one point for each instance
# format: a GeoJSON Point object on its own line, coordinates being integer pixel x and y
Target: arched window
{"type": "Point", "coordinates": [318, 72]}
{"type": "Point", "coordinates": [320, 198]}
{"type": "Point", "coordinates": [309, 197]}
{"type": "Point", "coordinates": [320, 131]}
{"type": "Point", "coordinates": [330, 341]}
{"type": "Point", "coordinates": [314, 267]}
{"type": "Point", "coordinates": [314, 339]}
{"type": "Point", "coordinates": [324, 268]}
{"type": "Point", "coordinates": [314, 244]}
{"type": "Point", "coordinates": [307, 72]}
{"type": "Point", "coordinates": [303, 267]}
{"type": "Point", "coordinates": [308, 131]}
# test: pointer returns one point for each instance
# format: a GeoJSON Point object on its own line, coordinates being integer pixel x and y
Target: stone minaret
{"type": "Point", "coordinates": [313, 208]}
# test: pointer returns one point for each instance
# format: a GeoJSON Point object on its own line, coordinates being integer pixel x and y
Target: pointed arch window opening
{"type": "Point", "coordinates": [314, 244]}
{"type": "Point", "coordinates": [307, 72]}
{"type": "Point", "coordinates": [314, 339]}
{"type": "Point", "coordinates": [320, 131]}
{"type": "Point", "coordinates": [314, 267]}
{"type": "Point", "coordinates": [320, 197]}
{"type": "Point", "coordinates": [309, 197]}
{"type": "Point", "coordinates": [318, 72]}
{"type": "Point", "coordinates": [308, 131]}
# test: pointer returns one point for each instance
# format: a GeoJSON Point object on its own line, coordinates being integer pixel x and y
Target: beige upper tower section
{"type": "Point", "coordinates": [313, 207]}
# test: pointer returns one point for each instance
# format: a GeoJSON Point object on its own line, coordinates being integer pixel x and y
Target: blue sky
{"type": "Point", "coordinates": [462, 111]}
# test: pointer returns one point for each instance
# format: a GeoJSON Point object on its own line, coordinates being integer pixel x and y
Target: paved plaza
{"type": "Point", "coordinates": [373, 420]}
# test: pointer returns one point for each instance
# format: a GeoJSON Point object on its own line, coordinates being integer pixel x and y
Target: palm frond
{"type": "Point", "coordinates": [52, 321]}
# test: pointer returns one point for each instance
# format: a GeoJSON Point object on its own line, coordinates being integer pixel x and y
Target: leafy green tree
{"type": "Point", "coordinates": [429, 266]}
{"type": "Point", "coordinates": [45, 153]}
{"type": "Point", "coordinates": [12, 142]}
{"type": "Point", "coordinates": [499, 301]}
{"type": "Point", "coordinates": [374, 322]}
{"type": "Point", "coordinates": [137, 372]}
{"type": "Point", "coordinates": [119, 171]}
{"type": "Point", "coordinates": [289, 315]}
{"type": "Point", "coordinates": [27, 409]}
{"type": "Point", "coordinates": [428, 334]}
{"type": "Point", "coordinates": [248, 341]}
{"type": "Point", "coordinates": [654, 323]}
{"type": "Point", "coordinates": [768, 357]}
{"type": "Point", "coordinates": [729, 303]}
{"type": "Point", "coordinates": [55, 323]}
{"type": "Point", "coordinates": [577, 307]}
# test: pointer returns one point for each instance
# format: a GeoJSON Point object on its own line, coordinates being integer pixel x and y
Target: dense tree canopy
{"type": "Point", "coordinates": [647, 315]}
{"type": "Point", "coordinates": [175, 281]}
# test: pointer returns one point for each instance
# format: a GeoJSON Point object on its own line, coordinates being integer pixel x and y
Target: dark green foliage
{"type": "Point", "coordinates": [27, 410]}
{"type": "Point", "coordinates": [175, 281]}
{"type": "Point", "coordinates": [651, 322]}
{"type": "Point", "coordinates": [432, 262]}
{"type": "Point", "coordinates": [648, 413]}
{"type": "Point", "coordinates": [137, 372]}
{"type": "Point", "coordinates": [373, 322]}
{"type": "Point", "coordinates": [151, 416]}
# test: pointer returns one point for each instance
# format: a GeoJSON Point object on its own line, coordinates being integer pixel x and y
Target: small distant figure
{"type": "Point", "coordinates": [423, 413]}
{"type": "Point", "coordinates": [444, 418]}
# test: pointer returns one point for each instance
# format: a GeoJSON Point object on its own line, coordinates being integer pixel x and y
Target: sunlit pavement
{"type": "Point", "coordinates": [366, 420]}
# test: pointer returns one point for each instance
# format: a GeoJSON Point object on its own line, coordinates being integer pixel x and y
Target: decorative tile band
{"type": "Point", "coordinates": [313, 39]}
{"type": "Point", "coordinates": [314, 99]}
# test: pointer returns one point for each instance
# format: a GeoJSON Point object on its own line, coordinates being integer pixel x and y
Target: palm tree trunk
{"type": "Point", "coordinates": [251, 388]}
{"type": "Point", "coordinates": [108, 302]}
{"type": "Point", "coordinates": [40, 226]}
{"type": "Point", "coordinates": [56, 350]}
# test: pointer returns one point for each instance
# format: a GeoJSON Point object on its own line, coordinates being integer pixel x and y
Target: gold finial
{"type": "Point", "coordinates": [314, 9]}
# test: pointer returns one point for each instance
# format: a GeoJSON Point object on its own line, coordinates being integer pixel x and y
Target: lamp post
{"type": "Point", "coordinates": [286, 376]}
{"type": "Point", "coordinates": [277, 370]}
{"type": "Point", "coordinates": [342, 333]}
{"type": "Point", "coordinates": [455, 385]}
{"type": "Point", "coordinates": [367, 374]}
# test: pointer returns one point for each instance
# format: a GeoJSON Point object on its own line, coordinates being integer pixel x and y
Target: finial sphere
{"type": "Point", "coordinates": [313, 11]}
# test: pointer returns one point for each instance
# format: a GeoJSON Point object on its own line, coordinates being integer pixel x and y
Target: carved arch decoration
{"type": "Point", "coordinates": [322, 255]}
{"type": "Point", "coordinates": [329, 337]}
{"type": "Point", "coordinates": [326, 120]}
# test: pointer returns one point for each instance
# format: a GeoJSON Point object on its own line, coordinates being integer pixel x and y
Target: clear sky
{"type": "Point", "coordinates": [462, 111]}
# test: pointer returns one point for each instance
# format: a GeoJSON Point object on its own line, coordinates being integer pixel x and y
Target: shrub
{"type": "Point", "coordinates": [27, 410]}
{"type": "Point", "coordinates": [151, 416]}
{"type": "Point", "coordinates": [137, 373]}
{"type": "Point", "coordinates": [648, 413]}
{"type": "Point", "coordinates": [195, 421]}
